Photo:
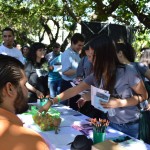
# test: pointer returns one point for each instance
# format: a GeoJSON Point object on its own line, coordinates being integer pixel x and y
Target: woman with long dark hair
{"type": "Point", "coordinates": [122, 82]}
{"type": "Point", "coordinates": [36, 72]}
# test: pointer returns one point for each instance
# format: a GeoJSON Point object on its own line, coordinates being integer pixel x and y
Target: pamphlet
{"type": "Point", "coordinates": [97, 96]}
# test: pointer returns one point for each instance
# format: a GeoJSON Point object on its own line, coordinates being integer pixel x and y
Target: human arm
{"type": "Point", "coordinates": [84, 98]}
{"type": "Point", "coordinates": [29, 71]}
{"type": "Point", "coordinates": [141, 95]}
{"type": "Point", "coordinates": [34, 90]}
{"type": "Point", "coordinates": [87, 96]}
{"type": "Point", "coordinates": [70, 72]}
{"type": "Point", "coordinates": [147, 74]}
{"type": "Point", "coordinates": [65, 95]}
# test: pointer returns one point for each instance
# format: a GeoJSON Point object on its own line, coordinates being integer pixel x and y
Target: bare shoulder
{"type": "Point", "coordinates": [31, 139]}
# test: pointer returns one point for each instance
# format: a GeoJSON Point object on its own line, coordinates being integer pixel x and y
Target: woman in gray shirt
{"type": "Point", "coordinates": [110, 75]}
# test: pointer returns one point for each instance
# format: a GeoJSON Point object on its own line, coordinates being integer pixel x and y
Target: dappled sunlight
{"type": "Point", "coordinates": [62, 119]}
{"type": "Point", "coordinates": [77, 123]}
{"type": "Point", "coordinates": [67, 132]}
{"type": "Point", "coordinates": [110, 130]}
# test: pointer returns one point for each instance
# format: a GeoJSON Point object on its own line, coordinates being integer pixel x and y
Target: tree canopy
{"type": "Point", "coordinates": [32, 19]}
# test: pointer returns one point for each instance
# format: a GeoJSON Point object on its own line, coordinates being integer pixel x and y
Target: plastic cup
{"type": "Point", "coordinates": [98, 137]}
{"type": "Point", "coordinates": [43, 102]}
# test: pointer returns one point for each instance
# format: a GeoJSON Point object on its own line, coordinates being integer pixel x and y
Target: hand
{"type": "Point", "coordinates": [47, 96]}
{"type": "Point", "coordinates": [39, 94]}
{"type": "Point", "coordinates": [45, 107]}
{"type": "Point", "coordinates": [113, 103]}
{"type": "Point", "coordinates": [81, 102]}
{"type": "Point", "coordinates": [79, 79]}
{"type": "Point", "coordinates": [51, 68]}
{"type": "Point", "coordinates": [148, 107]}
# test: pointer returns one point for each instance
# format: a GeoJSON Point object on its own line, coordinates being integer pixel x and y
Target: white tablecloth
{"type": "Point", "coordinates": [67, 133]}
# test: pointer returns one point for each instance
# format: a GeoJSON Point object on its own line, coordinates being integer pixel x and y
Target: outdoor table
{"type": "Point", "coordinates": [67, 133]}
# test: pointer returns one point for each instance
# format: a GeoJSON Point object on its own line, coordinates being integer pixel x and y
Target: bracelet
{"type": "Point", "coordinates": [51, 100]}
{"type": "Point", "coordinates": [58, 98]}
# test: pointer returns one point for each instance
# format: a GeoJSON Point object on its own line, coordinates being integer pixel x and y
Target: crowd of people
{"type": "Point", "coordinates": [32, 73]}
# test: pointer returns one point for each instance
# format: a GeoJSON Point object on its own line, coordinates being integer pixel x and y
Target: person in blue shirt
{"type": "Point", "coordinates": [54, 75]}
{"type": "Point", "coordinates": [70, 60]}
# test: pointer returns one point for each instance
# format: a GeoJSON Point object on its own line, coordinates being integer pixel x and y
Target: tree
{"type": "Point", "coordinates": [123, 12]}
{"type": "Point", "coordinates": [32, 19]}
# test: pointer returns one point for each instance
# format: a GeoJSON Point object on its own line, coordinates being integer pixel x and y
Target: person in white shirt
{"type": "Point", "coordinates": [7, 48]}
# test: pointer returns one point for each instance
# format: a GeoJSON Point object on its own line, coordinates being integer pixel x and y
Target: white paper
{"type": "Point", "coordinates": [57, 68]}
{"type": "Point", "coordinates": [97, 96]}
{"type": "Point", "coordinates": [39, 72]}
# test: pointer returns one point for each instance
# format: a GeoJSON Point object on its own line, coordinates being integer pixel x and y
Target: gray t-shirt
{"type": "Point", "coordinates": [141, 68]}
{"type": "Point", "coordinates": [126, 77]}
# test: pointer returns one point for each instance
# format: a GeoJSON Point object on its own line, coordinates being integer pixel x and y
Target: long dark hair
{"type": "Point", "coordinates": [105, 61]}
{"type": "Point", "coordinates": [127, 50]}
{"type": "Point", "coordinates": [32, 52]}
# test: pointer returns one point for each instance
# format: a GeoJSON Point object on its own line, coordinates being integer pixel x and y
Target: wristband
{"type": "Point", "coordinates": [51, 100]}
{"type": "Point", "coordinates": [58, 98]}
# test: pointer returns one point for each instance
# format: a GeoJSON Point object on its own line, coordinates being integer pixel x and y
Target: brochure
{"type": "Point", "coordinates": [97, 96]}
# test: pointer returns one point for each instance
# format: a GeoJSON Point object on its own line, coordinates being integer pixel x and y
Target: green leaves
{"type": "Point", "coordinates": [24, 16]}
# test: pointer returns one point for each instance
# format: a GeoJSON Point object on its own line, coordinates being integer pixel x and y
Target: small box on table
{"type": "Point", "coordinates": [107, 145]}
